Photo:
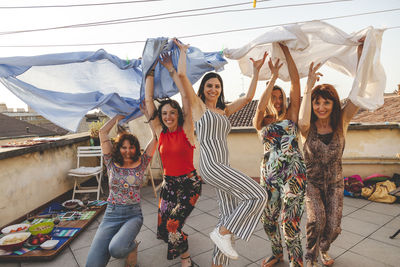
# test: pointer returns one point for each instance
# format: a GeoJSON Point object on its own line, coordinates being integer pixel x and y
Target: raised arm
{"type": "Point", "coordinates": [152, 145]}
{"type": "Point", "coordinates": [196, 104]}
{"type": "Point", "coordinates": [105, 141]}
{"type": "Point", "coordinates": [305, 107]}
{"type": "Point", "coordinates": [241, 102]}
{"type": "Point", "coordinates": [266, 95]}
{"type": "Point", "coordinates": [351, 109]}
{"type": "Point", "coordinates": [151, 108]}
{"type": "Point", "coordinates": [293, 110]}
{"type": "Point", "coordinates": [188, 125]}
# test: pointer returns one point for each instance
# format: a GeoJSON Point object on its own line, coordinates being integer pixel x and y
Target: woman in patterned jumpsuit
{"type": "Point", "coordinates": [323, 123]}
{"type": "Point", "coordinates": [282, 169]}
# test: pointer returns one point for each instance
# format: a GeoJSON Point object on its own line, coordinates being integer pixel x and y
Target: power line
{"type": "Point", "coordinates": [212, 33]}
{"type": "Point", "coordinates": [79, 5]}
{"type": "Point", "coordinates": [157, 16]}
{"type": "Point", "coordinates": [133, 18]}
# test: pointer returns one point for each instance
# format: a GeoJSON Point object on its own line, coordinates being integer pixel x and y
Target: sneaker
{"type": "Point", "coordinates": [224, 243]}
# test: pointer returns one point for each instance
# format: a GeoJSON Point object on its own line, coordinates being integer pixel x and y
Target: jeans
{"type": "Point", "coordinates": [116, 234]}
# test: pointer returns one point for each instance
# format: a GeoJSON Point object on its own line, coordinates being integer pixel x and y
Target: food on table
{"type": "Point", "coordinates": [14, 240]}
{"type": "Point", "coordinates": [15, 228]}
{"type": "Point", "coordinates": [39, 239]}
{"type": "Point", "coordinates": [41, 228]}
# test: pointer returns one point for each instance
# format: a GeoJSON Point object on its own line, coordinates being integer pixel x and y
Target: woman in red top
{"type": "Point", "coordinates": [182, 186]}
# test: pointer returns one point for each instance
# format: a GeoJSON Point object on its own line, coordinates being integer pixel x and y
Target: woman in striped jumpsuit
{"type": "Point", "coordinates": [241, 200]}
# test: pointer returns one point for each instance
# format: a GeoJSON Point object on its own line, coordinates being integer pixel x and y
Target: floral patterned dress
{"type": "Point", "coordinates": [179, 193]}
{"type": "Point", "coordinates": [283, 175]}
{"type": "Point", "coordinates": [125, 183]}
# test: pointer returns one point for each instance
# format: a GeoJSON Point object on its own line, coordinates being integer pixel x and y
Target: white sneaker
{"type": "Point", "coordinates": [224, 243]}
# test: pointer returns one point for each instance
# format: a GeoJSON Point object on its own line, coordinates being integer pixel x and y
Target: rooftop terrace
{"type": "Point", "coordinates": [364, 240]}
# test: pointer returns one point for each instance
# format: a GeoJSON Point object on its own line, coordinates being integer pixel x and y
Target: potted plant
{"type": "Point", "coordinates": [94, 128]}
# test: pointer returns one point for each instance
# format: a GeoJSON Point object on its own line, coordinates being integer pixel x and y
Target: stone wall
{"type": "Point", "coordinates": [32, 176]}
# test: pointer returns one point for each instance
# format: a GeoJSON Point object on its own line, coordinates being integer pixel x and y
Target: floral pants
{"type": "Point", "coordinates": [178, 197]}
{"type": "Point", "coordinates": [285, 199]}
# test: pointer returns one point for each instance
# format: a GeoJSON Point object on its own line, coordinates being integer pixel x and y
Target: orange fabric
{"type": "Point", "coordinates": [176, 153]}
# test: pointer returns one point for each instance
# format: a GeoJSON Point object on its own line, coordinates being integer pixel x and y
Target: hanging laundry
{"type": "Point", "coordinates": [321, 42]}
{"type": "Point", "coordinates": [64, 87]}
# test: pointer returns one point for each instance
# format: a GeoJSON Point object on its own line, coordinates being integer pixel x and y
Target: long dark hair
{"type": "Point", "coordinates": [116, 154]}
{"type": "Point", "coordinates": [221, 98]}
{"type": "Point", "coordinates": [158, 112]}
{"type": "Point", "coordinates": [328, 91]}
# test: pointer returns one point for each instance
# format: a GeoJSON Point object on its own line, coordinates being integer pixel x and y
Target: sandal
{"type": "Point", "coordinates": [271, 261]}
{"type": "Point", "coordinates": [326, 259]}
{"type": "Point", "coordinates": [192, 263]}
{"type": "Point", "coordinates": [310, 263]}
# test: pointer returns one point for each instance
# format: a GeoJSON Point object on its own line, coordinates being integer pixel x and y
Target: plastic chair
{"type": "Point", "coordinates": [85, 172]}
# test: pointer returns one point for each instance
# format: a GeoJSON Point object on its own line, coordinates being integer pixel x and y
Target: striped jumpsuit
{"type": "Point", "coordinates": [241, 200]}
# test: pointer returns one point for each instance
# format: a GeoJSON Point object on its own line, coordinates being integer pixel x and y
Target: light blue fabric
{"type": "Point", "coordinates": [64, 87]}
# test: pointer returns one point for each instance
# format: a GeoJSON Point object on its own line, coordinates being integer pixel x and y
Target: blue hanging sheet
{"type": "Point", "coordinates": [64, 87]}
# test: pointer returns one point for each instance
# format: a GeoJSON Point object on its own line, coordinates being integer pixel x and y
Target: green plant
{"type": "Point", "coordinates": [95, 126]}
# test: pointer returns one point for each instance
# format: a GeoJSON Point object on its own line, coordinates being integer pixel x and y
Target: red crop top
{"type": "Point", "coordinates": [176, 153]}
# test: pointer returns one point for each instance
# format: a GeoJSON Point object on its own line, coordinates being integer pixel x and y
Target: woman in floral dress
{"type": "Point", "coordinates": [282, 169]}
{"type": "Point", "coordinates": [181, 186]}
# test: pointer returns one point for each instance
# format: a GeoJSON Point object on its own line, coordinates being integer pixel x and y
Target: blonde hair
{"type": "Point", "coordinates": [271, 112]}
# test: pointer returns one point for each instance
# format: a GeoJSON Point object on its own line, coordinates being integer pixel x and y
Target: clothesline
{"type": "Point", "coordinates": [202, 34]}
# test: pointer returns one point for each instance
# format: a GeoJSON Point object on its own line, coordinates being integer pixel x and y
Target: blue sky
{"type": "Point", "coordinates": [234, 82]}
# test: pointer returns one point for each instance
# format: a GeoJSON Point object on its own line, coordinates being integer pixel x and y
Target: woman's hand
{"type": "Point", "coordinates": [313, 75]}
{"type": "Point", "coordinates": [166, 61]}
{"type": "Point", "coordinates": [182, 47]}
{"type": "Point", "coordinates": [257, 64]}
{"type": "Point", "coordinates": [274, 67]}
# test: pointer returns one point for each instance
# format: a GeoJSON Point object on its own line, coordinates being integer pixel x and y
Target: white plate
{"type": "Point", "coordinates": [77, 201]}
{"type": "Point", "coordinates": [7, 230]}
{"type": "Point", "coordinates": [49, 244]}
{"type": "Point", "coordinates": [25, 235]}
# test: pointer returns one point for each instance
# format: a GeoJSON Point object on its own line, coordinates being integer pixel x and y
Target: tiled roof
{"type": "Point", "coordinates": [389, 112]}
{"type": "Point", "coordinates": [244, 117]}
{"type": "Point", "coordinates": [55, 128]}
{"type": "Point", "coordinates": [10, 128]}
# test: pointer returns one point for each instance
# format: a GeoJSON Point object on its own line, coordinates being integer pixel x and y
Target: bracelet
{"type": "Point", "coordinates": [108, 140]}
{"type": "Point", "coordinates": [171, 72]}
{"type": "Point", "coordinates": [150, 73]}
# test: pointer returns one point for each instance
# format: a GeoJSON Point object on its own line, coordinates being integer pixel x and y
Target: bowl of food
{"type": "Point", "coordinates": [49, 244]}
{"type": "Point", "coordinates": [72, 204]}
{"type": "Point", "coordinates": [41, 228]}
{"type": "Point", "coordinates": [14, 241]}
{"type": "Point", "coordinates": [15, 228]}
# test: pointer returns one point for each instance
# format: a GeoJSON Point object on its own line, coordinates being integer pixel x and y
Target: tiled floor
{"type": "Point", "coordinates": [364, 240]}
